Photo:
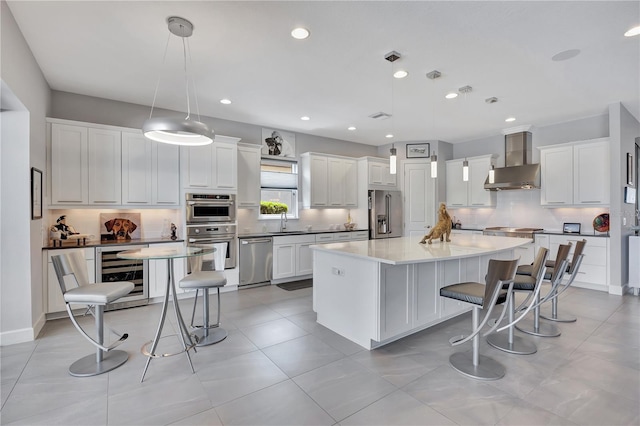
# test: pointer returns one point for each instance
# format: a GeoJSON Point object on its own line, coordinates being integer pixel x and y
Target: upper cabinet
{"type": "Point", "coordinates": [469, 193]}
{"type": "Point", "coordinates": [248, 175]}
{"type": "Point", "coordinates": [212, 167]}
{"type": "Point", "coordinates": [329, 181]}
{"type": "Point", "coordinates": [104, 165]}
{"type": "Point", "coordinates": [575, 174]}
{"type": "Point", "coordinates": [379, 174]}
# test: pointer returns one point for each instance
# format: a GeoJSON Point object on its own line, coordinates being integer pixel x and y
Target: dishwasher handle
{"type": "Point", "coordinates": [256, 241]}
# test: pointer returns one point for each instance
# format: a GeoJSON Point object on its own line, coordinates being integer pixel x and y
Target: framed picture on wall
{"type": "Point", "coordinates": [36, 193]}
{"type": "Point", "coordinates": [278, 143]}
{"type": "Point", "coordinates": [418, 150]}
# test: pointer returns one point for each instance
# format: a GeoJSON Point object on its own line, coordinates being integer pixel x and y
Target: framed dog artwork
{"type": "Point", "coordinates": [120, 226]}
{"type": "Point", "coordinates": [278, 143]}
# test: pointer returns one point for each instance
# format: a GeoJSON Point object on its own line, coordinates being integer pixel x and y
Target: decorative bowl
{"type": "Point", "coordinates": [349, 226]}
{"type": "Point", "coordinates": [601, 223]}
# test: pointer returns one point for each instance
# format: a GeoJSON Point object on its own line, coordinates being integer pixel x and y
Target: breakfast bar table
{"type": "Point", "coordinates": [170, 254]}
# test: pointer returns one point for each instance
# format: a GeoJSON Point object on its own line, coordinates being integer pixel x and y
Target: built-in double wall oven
{"type": "Point", "coordinates": [211, 219]}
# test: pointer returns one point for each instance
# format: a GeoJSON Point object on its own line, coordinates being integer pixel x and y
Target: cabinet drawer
{"type": "Point", "coordinates": [293, 239]}
{"type": "Point", "coordinates": [324, 238]}
{"type": "Point", "coordinates": [89, 253]}
{"type": "Point", "coordinates": [342, 236]}
{"type": "Point", "coordinates": [359, 235]}
{"type": "Point", "coordinates": [592, 274]}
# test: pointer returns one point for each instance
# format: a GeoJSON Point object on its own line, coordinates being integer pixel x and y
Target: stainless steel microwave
{"type": "Point", "coordinates": [210, 208]}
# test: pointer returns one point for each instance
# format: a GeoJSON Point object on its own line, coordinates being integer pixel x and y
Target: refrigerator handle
{"type": "Point", "coordinates": [387, 207]}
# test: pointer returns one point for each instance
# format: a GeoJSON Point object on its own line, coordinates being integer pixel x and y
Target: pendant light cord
{"type": "Point", "coordinates": [164, 57]}
{"type": "Point", "coordinates": [193, 80]}
{"type": "Point", "coordinates": [186, 75]}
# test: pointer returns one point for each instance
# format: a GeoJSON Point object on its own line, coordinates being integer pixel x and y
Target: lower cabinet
{"type": "Point", "coordinates": [594, 270]}
{"type": "Point", "coordinates": [292, 256]}
{"type": "Point", "coordinates": [53, 293]}
{"type": "Point", "coordinates": [158, 273]}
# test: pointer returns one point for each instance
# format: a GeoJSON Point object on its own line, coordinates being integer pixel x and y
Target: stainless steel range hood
{"type": "Point", "coordinates": [518, 173]}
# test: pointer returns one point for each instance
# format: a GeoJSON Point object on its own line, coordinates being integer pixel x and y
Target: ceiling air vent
{"type": "Point", "coordinates": [380, 115]}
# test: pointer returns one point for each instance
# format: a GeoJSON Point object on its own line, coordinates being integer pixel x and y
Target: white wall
{"type": "Point", "coordinates": [22, 76]}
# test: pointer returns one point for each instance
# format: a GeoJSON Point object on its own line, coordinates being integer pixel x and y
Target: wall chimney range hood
{"type": "Point", "coordinates": [518, 173]}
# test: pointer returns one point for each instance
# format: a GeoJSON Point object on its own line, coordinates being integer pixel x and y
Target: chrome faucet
{"type": "Point", "coordinates": [283, 221]}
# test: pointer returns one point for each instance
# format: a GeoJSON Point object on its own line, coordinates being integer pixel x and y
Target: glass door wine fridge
{"type": "Point", "coordinates": [109, 268]}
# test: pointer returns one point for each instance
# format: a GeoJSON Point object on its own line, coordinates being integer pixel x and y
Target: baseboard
{"type": "Point", "coordinates": [617, 290]}
{"type": "Point", "coordinates": [16, 336]}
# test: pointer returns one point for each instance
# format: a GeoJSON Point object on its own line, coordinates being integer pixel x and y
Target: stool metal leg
{"type": "Point", "coordinates": [537, 329]}
{"type": "Point", "coordinates": [476, 366]}
{"type": "Point", "coordinates": [509, 342]}
{"type": "Point", "coordinates": [554, 313]}
{"type": "Point", "coordinates": [101, 361]}
{"type": "Point", "coordinates": [210, 334]}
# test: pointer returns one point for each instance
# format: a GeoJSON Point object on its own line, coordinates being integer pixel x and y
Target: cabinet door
{"type": "Point", "coordinates": [226, 166]}
{"type": "Point", "coordinates": [69, 172]}
{"type": "Point", "coordinates": [165, 167]}
{"type": "Point", "coordinates": [376, 174]}
{"type": "Point", "coordinates": [350, 183]}
{"type": "Point", "coordinates": [284, 261]}
{"type": "Point", "coordinates": [336, 183]}
{"type": "Point", "coordinates": [304, 259]}
{"type": "Point", "coordinates": [456, 187]}
{"type": "Point", "coordinates": [591, 174]}
{"type": "Point", "coordinates": [136, 169]}
{"type": "Point", "coordinates": [478, 172]}
{"type": "Point", "coordinates": [105, 172]}
{"type": "Point", "coordinates": [387, 178]}
{"type": "Point", "coordinates": [196, 166]}
{"type": "Point", "coordinates": [556, 179]}
{"type": "Point", "coordinates": [248, 176]}
{"type": "Point", "coordinates": [426, 293]}
{"type": "Point", "coordinates": [319, 186]}
{"type": "Point", "coordinates": [158, 273]}
{"type": "Point", "coordinates": [396, 310]}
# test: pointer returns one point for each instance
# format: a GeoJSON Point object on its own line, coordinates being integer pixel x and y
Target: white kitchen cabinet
{"type": "Point", "coordinates": [526, 253]}
{"type": "Point", "coordinates": [379, 173]}
{"type": "Point", "coordinates": [149, 171]}
{"type": "Point", "coordinates": [329, 181]}
{"type": "Point", "coordinates": [105, 172]}
{"type": "Point", "coordinates": [211, 167]}
{"type": "Point", "coordinates": [470, 193]}
{"type": "Point", "coordinates": [292, 256]}
{"type": "Point", "coordinates": [69, 171]}
{"type": "Point", "coordinates": [575, 174]}
{"type": "Point", "coordinates": [594, 270]}
{"type": "Point", "coordinates": [248, 176]}
{"type": "Point", "coordinates": [52, 291]}
{"type": "Point", "coordinates": [158, 273]}
{"type": "Point", "coordinates": [591, 175]}
{"type": "Point", "coordinates": [396, 301]}
{"type": "Point", "coordinates": [359, 235]}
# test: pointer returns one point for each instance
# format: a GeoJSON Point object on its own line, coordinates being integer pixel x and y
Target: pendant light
{"type": "Point", "coordinates": [392, 160]}
{"type": "Point", "coordinates": [434, 165]}
{"type": "Point", "coordinates": [465, 170]}
{"type": "Point", "coordinates": [492, 174]}
{"type": "Point", "coordinates": [392, 57]}
{"type": "Point", "coordinates": [172, 130]}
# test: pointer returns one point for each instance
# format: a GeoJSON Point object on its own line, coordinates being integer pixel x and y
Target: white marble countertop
{"type": "Point", "coordinates": [403, 250]}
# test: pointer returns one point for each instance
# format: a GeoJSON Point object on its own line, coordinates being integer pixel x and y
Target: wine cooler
{"type": "Point", "coordinates": [109, 268]}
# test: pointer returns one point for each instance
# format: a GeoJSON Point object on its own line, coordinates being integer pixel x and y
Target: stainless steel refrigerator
{"type": "Point", "coordinates": [385, 214]}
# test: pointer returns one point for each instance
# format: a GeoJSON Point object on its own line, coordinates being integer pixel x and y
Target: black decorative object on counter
{"type": "Point", "coordinates": [174, 230]}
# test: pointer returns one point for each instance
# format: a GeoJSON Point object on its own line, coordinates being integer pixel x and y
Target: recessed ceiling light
{"type": "Point", "coordinates": [351, 128]}
{"type": "Point", "coordinates": [389, 136]}
{"type": "Point", "coordinates": [567, 54]}
{"type": "Point", "coordinates": [451, 95]}
{"type": "Point", "coordinates": [400, 74]}
{"type": "Point", "coordinates": [225, 101]}
{"type": "Point", "coordinates": [305, 118]}
{"type": "Point", "coordinates": [300, 33]}
{"type": "Point", "coordinates": [633, 32]}
{"type": "Point", "coordinates": [510, 119]}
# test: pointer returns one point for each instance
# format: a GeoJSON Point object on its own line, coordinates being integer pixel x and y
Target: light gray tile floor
{"type": "Point", "coordinates": [279, 367]}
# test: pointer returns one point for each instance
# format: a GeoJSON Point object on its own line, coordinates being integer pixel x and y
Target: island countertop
{"type": "Point", "coordinates": [408, 250]}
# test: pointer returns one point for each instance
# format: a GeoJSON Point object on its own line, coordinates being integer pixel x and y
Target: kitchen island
{"type": "Point", "coordinates": [377, 291]}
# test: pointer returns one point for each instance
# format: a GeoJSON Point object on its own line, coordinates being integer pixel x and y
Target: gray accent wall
{"type": "Point", "coordinates": [26, 101]}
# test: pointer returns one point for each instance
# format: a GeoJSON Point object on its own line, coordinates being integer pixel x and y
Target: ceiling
{"type": "Point", "coordinates": [338, 76]}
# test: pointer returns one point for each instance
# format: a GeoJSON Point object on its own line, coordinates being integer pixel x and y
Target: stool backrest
{"type": "Point", "coordinates": [539, 262]}
{"type": "Point", "coordinates": [71, 270]}
{"type": "Point", "coordinates": [498, 272]}
{"type": "Point", "coordinates": [576, 253]}
{"type": "Point", "coordinates": [563, 253]}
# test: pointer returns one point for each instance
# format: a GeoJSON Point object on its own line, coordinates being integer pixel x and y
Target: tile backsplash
{"type": "Point", "coordinates": [521, 209]}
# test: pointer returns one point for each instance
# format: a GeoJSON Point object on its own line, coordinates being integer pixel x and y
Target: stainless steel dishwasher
{"type": "Point", "coordinates": [256, 261]}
